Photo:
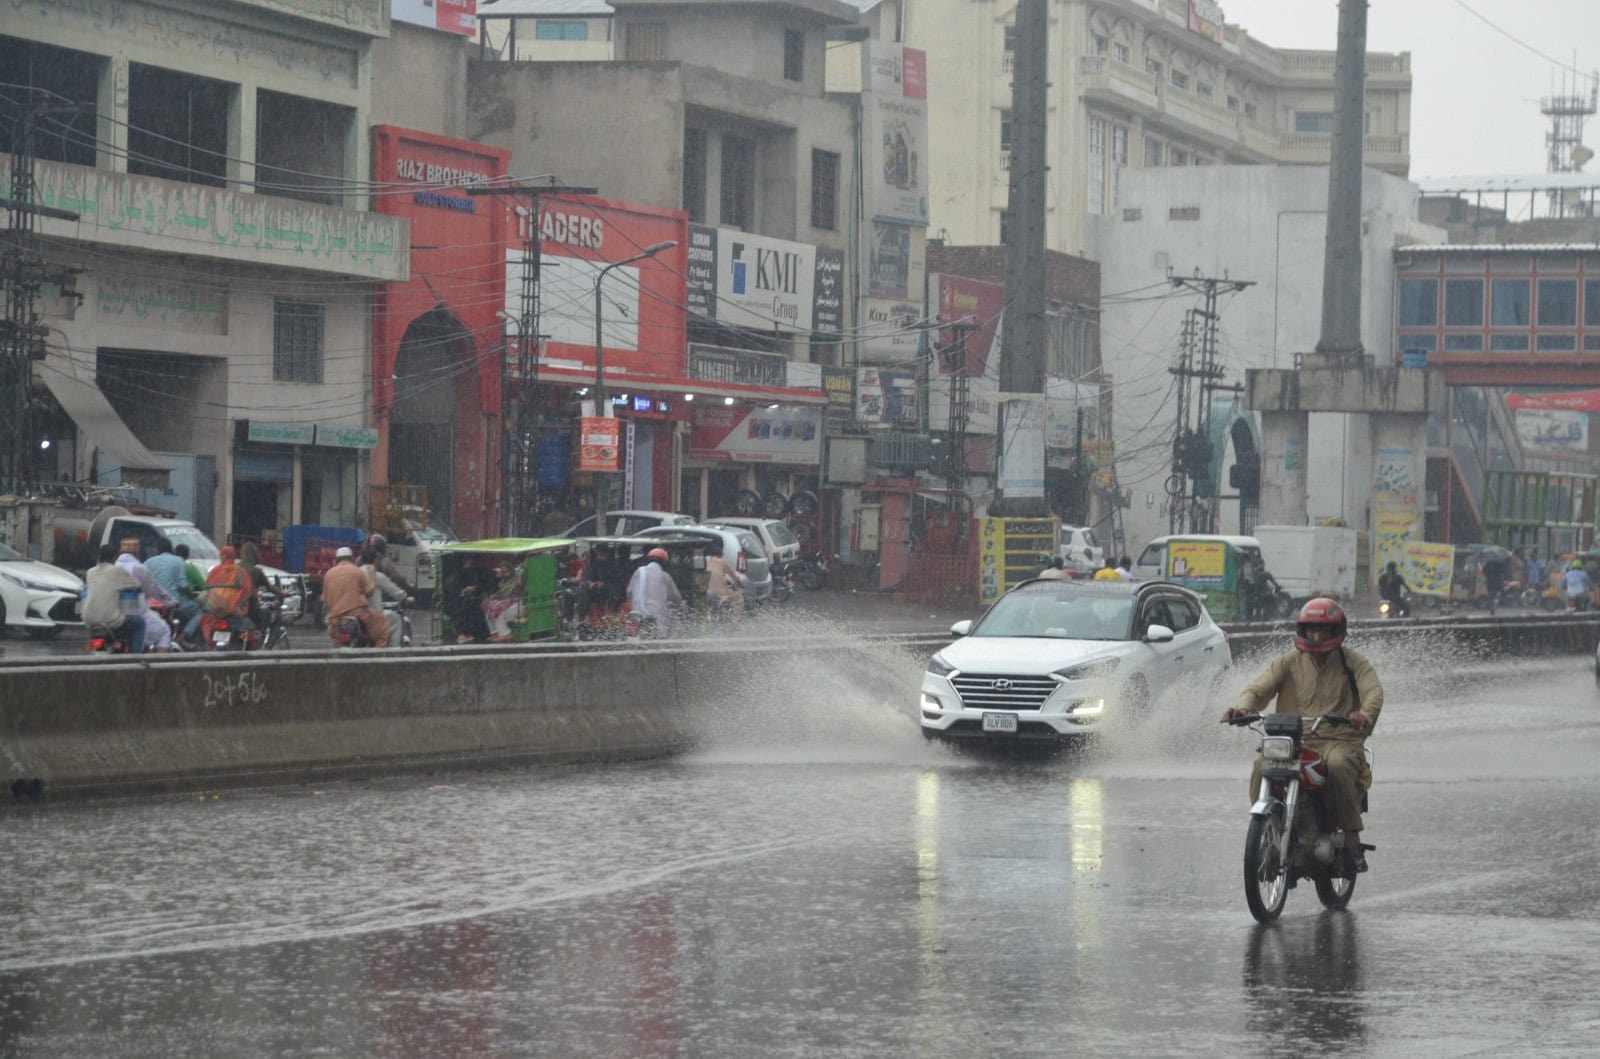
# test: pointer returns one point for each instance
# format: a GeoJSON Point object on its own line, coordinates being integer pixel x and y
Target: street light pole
{"type": "Point", "coordinates": [601, 405]}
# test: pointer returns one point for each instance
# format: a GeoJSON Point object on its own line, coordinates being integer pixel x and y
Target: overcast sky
{"type": "Point", "coordinates": [1475, 94]}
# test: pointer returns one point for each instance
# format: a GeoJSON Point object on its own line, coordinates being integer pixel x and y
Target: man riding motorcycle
{"type": "Point", "coordinates": [1392, 588]}
{"type": "Point", "coordinates": [1321, 676]}
{"type": "Point", "coordinates": [346, 593]}
{"type": "Point", "coordinates": [1577, 587]}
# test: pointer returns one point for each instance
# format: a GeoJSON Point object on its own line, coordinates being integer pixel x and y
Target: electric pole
{"type": "Point", "coordinates": [1192, 451]}
{"type": "Point", "coordinates": [519, 434]}
{"type": "Point", "coordinates": [1023, 336]}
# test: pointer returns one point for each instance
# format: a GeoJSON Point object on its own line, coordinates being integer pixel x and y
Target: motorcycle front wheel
{"type": "Point", "coordinates": [1266, 883]}
{"type": "Point", "coordinates": [1334, 892]}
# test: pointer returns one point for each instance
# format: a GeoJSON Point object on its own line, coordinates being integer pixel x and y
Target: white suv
{"type": "Point", "coordinates": [1079, 551]}
{"type": "Point", "coordinates": [780, 544]}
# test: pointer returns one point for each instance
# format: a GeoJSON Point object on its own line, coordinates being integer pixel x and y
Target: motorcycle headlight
{"type": "Point", "coordinates": [939, 667]}
{"type": "Point", "coordinates": [1090, 670]}
{"type": "Point", "coordinates": [1277, 748]}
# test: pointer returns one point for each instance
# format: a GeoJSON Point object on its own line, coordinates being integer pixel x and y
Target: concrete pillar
{"type": "Point", "coordinates": [111, 104]}
{"type": "Point", "coordinates": [1341, 270]}
{"type": "Point", "coordinates": [1283, 468]}
{"type": "Point", "coordinates": [1399, 478]}
{"type": "Point", "coordinates": [242, 138]}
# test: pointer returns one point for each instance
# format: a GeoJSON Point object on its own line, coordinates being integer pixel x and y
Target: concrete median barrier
{"type": "Point", "coordinates": [179, 723]}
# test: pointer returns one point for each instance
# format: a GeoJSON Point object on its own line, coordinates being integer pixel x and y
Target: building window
{"type": "Point", "coordinates": [824, 190]}
{"type": "Point", "coordinates": [1233, 102]}
{"type": "Point", "coordinates": [1419, 302]}
{"type": "Point", "coordinates": [177, 125]}
{"type": "Point", "coordinates": [1591, 303]}
{"type": "Point", "coordinates": [738, 182]}
{"type": "Point", "coordinates": [1465, 342]}
{"type": "Point", "coordinates": [62, 76]}
{"type": "Point", "coordinates": [694, 174]}
{"type": "Point", "coordinates": [1009, 40]}
{"type": "Point", "coordinates": [1517, 343]}
{"type": "Point", "coordinates": [1180, 80]}
{"type": "Point", "coordinates": [1203, 89]}
{"type": "Point", "coordinates": [1097, 165]}
{"type": "Point", "coordinates": [297, 340]}
{"type": "Point", "coordinates": [1005, 227]}
{"type": "Point", "coordinates": [1463, 303]}
{"type": "Point", "coordinates": [1121, 53]}
{"type": "Point", "coordinates": [1119, 160]}
{"type": "Point", "coordinates": [1313, 121]}
{"type": "Point", "coordinates": [1099, 44]}
{"type": "Point", "coordinates": [645, 41]}
{"type": "Point", "coordinates": [1179, 156]}
{"type": "Point", "coordinates": [1005, 130]}
{"type": "Point", "coordinates": [794, 55]}
{"type": "Point", "coordinates": [1426, 341]}
{"type": "Point", "coordinates": [1154, 153]}
{"type": "Point", "coordinates": [1509, 304]}
{"type": "Point", "coordinates": [1154, 66]}
{"type": "Point", "coordinates": [300, 147]}
{"type": "Point", "coordinates": [1558, 303]}
{"type": "Point", "coordinates": [1558, 343]}
{"type": "Point", "coordinates": [548, 30]}
{"type": "Point", "coordinates": [1250, 111]}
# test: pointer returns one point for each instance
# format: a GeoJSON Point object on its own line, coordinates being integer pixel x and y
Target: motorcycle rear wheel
{"type": "Point", "coordinates": [1334, 892]}
{"type": "Point", "coordinates": [1265, 896]}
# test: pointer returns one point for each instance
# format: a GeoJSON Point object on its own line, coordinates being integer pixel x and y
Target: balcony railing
{"type": "Point", "coordinates": [1322, 142]}
{"type": "Point", "coordinates": [742, 367]}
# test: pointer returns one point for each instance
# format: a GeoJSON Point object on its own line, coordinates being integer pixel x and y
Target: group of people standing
{"type": "Point", "coordinates": [1055, 569]}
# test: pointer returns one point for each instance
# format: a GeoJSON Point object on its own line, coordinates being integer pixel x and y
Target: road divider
{"type": "Point", "coordinates": [176, 723]}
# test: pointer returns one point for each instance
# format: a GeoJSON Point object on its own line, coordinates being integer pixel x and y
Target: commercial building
{"type": "Point", "coordinates": [1134, 85]}
{"type": "Point", "coordinates": [210, 334]}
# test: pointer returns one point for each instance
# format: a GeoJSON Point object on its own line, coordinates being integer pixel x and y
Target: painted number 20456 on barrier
{"type": "Point", "coordinates": [243, 689]}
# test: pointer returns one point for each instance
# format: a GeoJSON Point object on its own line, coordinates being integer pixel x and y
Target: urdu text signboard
{"type": "Point", "coordinates": [1010, 550]}
{"type": "Point", "coordinates": [1197, 562]}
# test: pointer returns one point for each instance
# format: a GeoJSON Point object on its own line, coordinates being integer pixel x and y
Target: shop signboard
{"type": "Point", "coordinates": [281, 433]}
{"type": "Point", "coordinates": [1197, 562]}
{"type": "Point", "coordinates": [894, 105]}
{"type": "Point", "coordinates": [600, 444]}
{"type": "Point", "coordinates": [1010, 550]}
{"type": "Point", "coordinates": [889, 261]}
{"type": "Point", "coordinates": [757, 435]}
{"type": "Point", "coordinates": [642, 319]}
{"type": "Point", "coordinates": [891, 331]}
{"type": "Point", "coordinates": [451, 16]}
{"type": "Point", "coordinates": [1567, 400]}
{"type": "Point", "coordinates": [827, 292]}
{"type": "Point", "coordinates": [1544, 431]}
{"type": "Point", "coordinates": [702, 271]}
{"type": "Point", "coordinates": [1206, 18]}
{"type": "Point", "coordinates": [346, 437]}
{"type": "Point", "coordinates": [1022, 451]}
{"type": "Point", "coordinates": [1428, 568]}
{"type": "Point", "coordinates": [752, 281]}
{"type": "Point", "coordinates": [553, 460]}
{"type": "Point", "coordinates": [839, 386]}
{"type": "Point", "coordinates": [886, 398]}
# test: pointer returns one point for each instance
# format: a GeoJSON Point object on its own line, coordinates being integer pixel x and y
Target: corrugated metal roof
{"type": "Point", "coordinates": [1498, 182]}
{"type": "Point", "coordinates": [1499, 248]}
{"type": "Point", "coordinates": [545, 9]}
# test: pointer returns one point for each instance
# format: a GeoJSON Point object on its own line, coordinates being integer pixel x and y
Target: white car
{"type": "Point", "coordinates": [628, 523]}
{"type": "Point", "coordinates": [740, 550]}
{"type": "Point", "coordinates": [1079, 550]}
{"type": "Point", "coordinates": [776, 538]}
{"type": "Point", "coordinates": [1052, 659]}
{"type": "Point", "coordinates": [416, 552]}
{"type": "Point", "coordinates": [36, 596]}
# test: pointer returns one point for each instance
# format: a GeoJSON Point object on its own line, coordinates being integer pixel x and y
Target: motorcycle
{"type": "Point", "coordinates": [813, 571]}
{"type": "Point", "coordinates": [107, 641]}
{"type": "Point", "coordinates": [399, 612]}
{"type": "Point", "coordinates": [1292, 838]}
{"type": "Point", "coordinates": [783, 582]}
{"type": "Point", "coordinates": [1399, 608]}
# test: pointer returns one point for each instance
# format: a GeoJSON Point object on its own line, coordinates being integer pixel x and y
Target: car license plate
{"type": "Point", "coordinates": [999, 722]}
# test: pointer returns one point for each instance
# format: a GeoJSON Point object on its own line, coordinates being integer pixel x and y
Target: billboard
{"type": "Point", "coordinates": [1206, 18]}
{"type": "Point", "coordinates": [894, 70]}
{"type": "Point", "coordinates": [968, 315]}
{"type": "Point", "coordinates": [642, 320]}
{"type": "Point", "coordinates": [886, 398]}
{"type": "Point", "coordinates": [895, 149]}
{"type": "Point", "coordinates": [757, 435]}
{"type": "Point", "coordinates": [450, 16]}
{"type": "Point", "coordinates": [891, 331]}
{"type": "Point", "coordinates": [1022, 453]}
{"type": "Point", "coordinates": [1544, 431]}
{"type": "Point", "coordinates": [600, 445]}
{"type": "Point", "coordinates": [827, 292]}
{"type": "Point", "coordinates": [754, 281]}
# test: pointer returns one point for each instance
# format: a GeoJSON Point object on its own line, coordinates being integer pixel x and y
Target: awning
{"type": "Point", "coordinates": [88, 407]}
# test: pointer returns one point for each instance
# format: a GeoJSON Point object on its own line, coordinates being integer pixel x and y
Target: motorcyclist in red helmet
{"type": "Point", "coordinates": [1321, 675]}
{"type": "Point", "coordinates": [652, 593]}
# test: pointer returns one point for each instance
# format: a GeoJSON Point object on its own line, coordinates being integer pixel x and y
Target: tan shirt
{"type": "Point", "coordinates": [345, 589]}
{"type": "Point", "coordinates": [1300, 687]}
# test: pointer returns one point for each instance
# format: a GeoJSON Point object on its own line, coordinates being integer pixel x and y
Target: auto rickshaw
{"type": "Point", "coordinates": [501, 591]}
{"type": "Point", "coordinates": [1211, 566]}
{"type": "Point", "coordinates": [602, 609]}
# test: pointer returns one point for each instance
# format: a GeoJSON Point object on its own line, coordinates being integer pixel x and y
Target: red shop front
{"type": "Point", "coordinates": [435, 362]}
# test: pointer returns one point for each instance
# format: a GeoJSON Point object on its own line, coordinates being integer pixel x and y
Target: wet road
{"type": "Point", "coordinates": [817, 880]}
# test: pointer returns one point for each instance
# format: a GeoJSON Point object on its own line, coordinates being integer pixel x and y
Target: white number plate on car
{"type": "Point", "coordinates": [999, 722]}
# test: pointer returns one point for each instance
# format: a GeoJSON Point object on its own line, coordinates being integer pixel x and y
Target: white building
{"type": "Point", "coordinates": [1268, 225]}
{"type": "Point", "coordinates": [217, 166]}
{"type": "Point", "coordinates": [1134, 84]}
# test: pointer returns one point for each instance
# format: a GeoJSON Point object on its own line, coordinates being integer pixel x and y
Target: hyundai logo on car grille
{"type": "Point", "coordinates": [1002, 685]}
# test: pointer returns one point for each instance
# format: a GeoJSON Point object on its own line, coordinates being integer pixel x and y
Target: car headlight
{"type": "Point", "coordinates": [33, 586]}
{"type": "Point", "coordinates": [1090, 670]}
{"type": "Point", "coordinates": [939, 667]}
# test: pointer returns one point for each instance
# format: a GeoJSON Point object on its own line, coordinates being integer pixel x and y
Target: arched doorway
{"type": "Point", "coordinates": [436, 419]}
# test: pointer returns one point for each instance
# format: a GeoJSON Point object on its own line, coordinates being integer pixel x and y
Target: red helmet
{"type": "Point", "coordinates": [1327, 613]}
{"type": "Point", "coordinates": [658, 554]}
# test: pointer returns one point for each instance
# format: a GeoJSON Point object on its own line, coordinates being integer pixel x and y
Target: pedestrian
{"type": "Point", "coordinates": [1125, 568]}
{"type": "Point", "coordinates": [1108, 572]}
{"type": "Point", "coordinates": [1535, 572]}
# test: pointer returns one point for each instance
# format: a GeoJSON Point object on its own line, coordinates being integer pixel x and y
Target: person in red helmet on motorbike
{"type": "Point", "coordinates": [1321, 675]}
{"type": "Point", "coordinates": [653, 593]}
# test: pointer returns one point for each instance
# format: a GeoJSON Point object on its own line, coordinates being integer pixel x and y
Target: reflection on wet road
{"type": "Point", "coordinates": [818, 880]}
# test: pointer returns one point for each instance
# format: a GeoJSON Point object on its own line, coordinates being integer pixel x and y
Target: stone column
{"type": "Point", "coordinates": [1283, 468]}
{"type": "Point", "coordinates": [1399, 478]}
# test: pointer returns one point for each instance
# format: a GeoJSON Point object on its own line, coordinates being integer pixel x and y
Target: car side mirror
{"type": "Point", "coordinates": [961, 628]}
{"type": "Point", "coordinates": [1158, 634]}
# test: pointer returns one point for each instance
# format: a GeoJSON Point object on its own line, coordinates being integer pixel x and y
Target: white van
{"type": "Point", "coordinates": [1148, 567]}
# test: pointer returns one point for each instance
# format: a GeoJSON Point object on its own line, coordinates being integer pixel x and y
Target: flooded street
{"type": "Point", "coordinates": [819, 880]}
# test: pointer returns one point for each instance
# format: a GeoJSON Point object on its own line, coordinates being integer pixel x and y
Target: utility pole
{"type": "Point", "coordinates": [519, 453]}
{"type": "Point", "coordinates": [1022, 339]}
{"type": "Point", "coordinates": [1192, 451]}
{"type": "Point", "coordinates": [954, 356]}
{"type": "Point", "coordinates": [1341, 264]}
{"type": "Point", "coordinates": [22, 335]}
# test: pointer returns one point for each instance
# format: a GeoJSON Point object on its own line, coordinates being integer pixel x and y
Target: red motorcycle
{"type": "Point", "coordinates": [1293, 837]}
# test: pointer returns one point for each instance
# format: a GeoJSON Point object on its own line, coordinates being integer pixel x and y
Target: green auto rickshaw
{"type": "Point", "coordinates": [1223, 570]}
{"type": "Point", "coordinates": [506, 590]}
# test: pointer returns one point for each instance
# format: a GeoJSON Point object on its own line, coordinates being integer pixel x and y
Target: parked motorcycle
{"type": "Point", "coordinates": [1293, 837]}
{"type": "Point", "coordinates": [813, 571]}
{"type": "Point", "coordinates": [783, 582]}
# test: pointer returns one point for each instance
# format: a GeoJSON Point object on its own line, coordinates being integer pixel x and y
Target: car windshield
{"type": "Point", "coordinates": [7, 555]}
{"type": "Point", "coordinates": [781, 537]}
{"type": "Point", "coordinates": [1059, 611]}
{"type": "Point", "coordinates": [200, 546]}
